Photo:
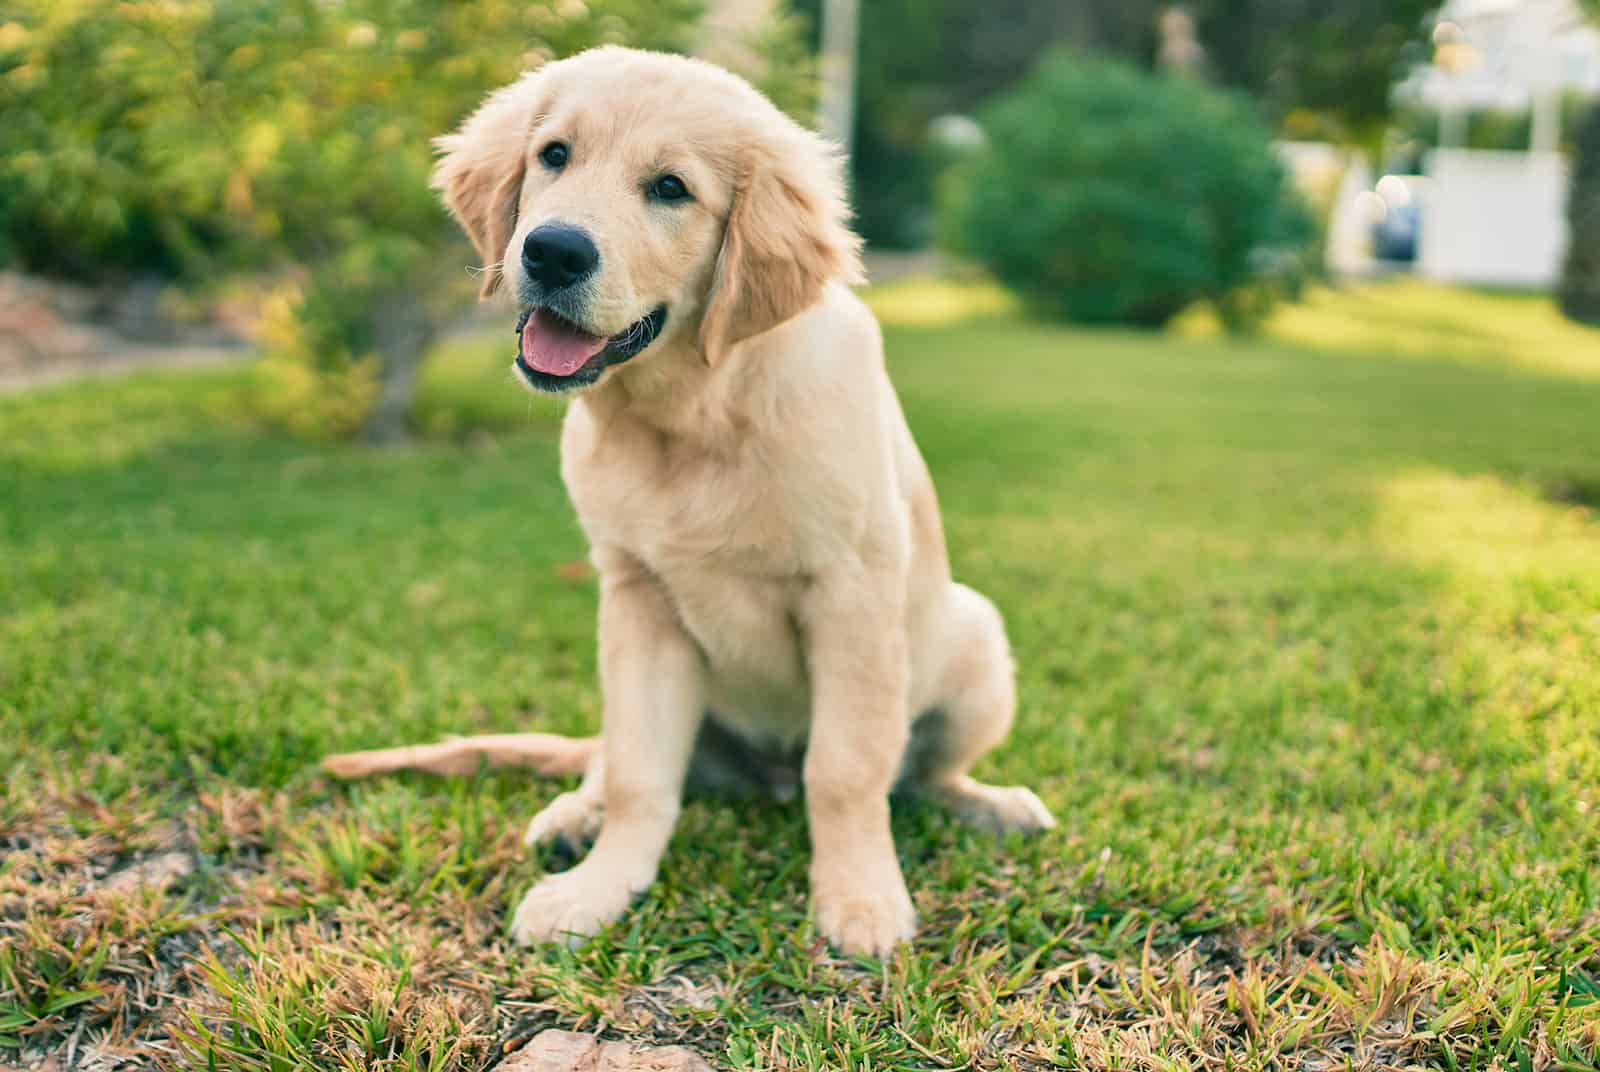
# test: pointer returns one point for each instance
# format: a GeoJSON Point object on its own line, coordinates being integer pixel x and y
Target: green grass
{"type": "Point", "coordinates": [1309, 641]}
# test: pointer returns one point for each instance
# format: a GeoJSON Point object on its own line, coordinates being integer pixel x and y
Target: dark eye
{"type": "Point", "coordinates": [668, 188]}
{"type": "Point", "coordinates": [554, 155]}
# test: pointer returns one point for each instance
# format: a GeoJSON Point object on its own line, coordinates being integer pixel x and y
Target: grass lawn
{"type": "Point", "coordinates": [1309, 641]}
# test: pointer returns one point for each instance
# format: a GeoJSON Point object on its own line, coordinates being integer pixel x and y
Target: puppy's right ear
{"type": "Point", "coordinates": [786, 238]}
{"type": "Point", "coordinates": [480, 170]}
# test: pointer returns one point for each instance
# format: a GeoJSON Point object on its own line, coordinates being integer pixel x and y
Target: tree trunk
{"type": "Point", "coordinates": [405, 327]}
{"type": "Point", "coordinates": [1580, 282]}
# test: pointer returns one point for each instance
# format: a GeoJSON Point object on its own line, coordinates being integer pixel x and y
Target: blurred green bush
{"type": "Point", "coordinates": [1109, 196]}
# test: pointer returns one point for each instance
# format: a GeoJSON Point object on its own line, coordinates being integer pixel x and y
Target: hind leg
{"type": "Point", "coordinates": [975, 702]}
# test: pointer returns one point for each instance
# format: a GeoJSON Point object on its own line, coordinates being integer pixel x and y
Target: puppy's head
{"type": "Point", "coordinates": [630, 201]}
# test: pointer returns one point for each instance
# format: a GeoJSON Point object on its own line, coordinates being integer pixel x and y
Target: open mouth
{"type": "Point", "coordinates": [556, 355]}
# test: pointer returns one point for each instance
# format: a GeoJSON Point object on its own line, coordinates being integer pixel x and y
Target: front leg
{"type": "Point", "coordinates": [859, 726]}
{"type": "Point", "coordinates": [652, 679]}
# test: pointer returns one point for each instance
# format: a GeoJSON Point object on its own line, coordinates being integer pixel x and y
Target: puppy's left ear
{"type": "Point", "coordinates": [786, 237]}
{"type": "Point", "coordinates": [480, 171]}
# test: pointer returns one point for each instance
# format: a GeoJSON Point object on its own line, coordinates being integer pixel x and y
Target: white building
{"type": "Point", "coordinates": [1498, 218]}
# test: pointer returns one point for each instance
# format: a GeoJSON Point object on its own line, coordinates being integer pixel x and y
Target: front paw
{"type": "Point", "coordinates": [865, 920]}
{"type": "Point", "coordinates": [570, 907]}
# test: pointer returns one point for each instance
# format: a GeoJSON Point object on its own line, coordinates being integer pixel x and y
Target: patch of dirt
{"type": "Point", "coordinates": [568, 1051]}
{"type": "Point", "coordinates": [155, 873]}
{"type": "Point", "coordinates": [674, 1011]}
{"type": "Point", "coordinates": [103, 912]}
{"type": "Point", "coordinates": [51, 331]}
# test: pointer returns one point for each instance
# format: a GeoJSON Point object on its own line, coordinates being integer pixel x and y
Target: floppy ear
{"type": "Point", "coordinates": [480, 169]}
{"type": "Point", "coordinates": [786, 237]}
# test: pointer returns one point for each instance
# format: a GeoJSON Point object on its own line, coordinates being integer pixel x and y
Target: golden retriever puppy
{"type": "Point", "coordinates": [776, 607]}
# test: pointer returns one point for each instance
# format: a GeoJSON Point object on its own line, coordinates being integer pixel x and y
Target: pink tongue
{"type": "Point", "coordinates": [556, 347]}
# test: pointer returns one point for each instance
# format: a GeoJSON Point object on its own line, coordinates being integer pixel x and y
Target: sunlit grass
{"type": "Point", "coordinates": [1307, 626]}
{"type": "Point", "coordinates": [1413, 318]}
{"type": "Point", "coordinates": [1492, 532]}
{"type": "Point", "coordinates": [920, 301]}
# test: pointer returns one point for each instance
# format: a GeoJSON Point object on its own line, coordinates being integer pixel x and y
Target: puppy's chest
{"type": "Point", "coordinates": [724, 541]}
{"type": "Point", "coordinates": [681, 512]}
{"type": "Point", "coordinates": [747, 627]}
{"type": "Point", "coordinates": [747, 630]}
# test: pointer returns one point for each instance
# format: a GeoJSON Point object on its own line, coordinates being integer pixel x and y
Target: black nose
{"type": "Point", "coordinates": [558, 256]}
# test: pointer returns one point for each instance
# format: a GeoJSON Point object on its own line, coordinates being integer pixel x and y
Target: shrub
{"type": "Point", "coordinates": [1106, 195]}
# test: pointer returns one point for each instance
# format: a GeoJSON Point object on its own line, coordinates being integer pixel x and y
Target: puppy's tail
{"type": "Point", "coordinates": [548, 754]}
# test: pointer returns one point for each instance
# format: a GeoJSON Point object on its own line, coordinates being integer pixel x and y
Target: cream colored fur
{"type": "Point", "coordinates": [766, 534]}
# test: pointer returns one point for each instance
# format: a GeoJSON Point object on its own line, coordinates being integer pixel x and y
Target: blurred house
{"type": "Point", "coordinates": [1494, 217]}
{"type": "Point", "coordinates": [1505, 56]}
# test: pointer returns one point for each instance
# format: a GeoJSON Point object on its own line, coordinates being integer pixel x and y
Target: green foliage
{"type": "Point", "coordinates": [782, 64]}
{"type": "Point", "coordinates": [315, 380]}
{"type": "Point", "coordinates": [1326, 66]}
{"type": "Point", "coordinates": [920, 59]}
{"type": "Point", "coordinates": [903, 82]}
{"type": "Point", "coordinates": [195, 136]}
{"type": "Point", "coordinates": [194, 139]}
{"type": "Point", "coordinates": [1107, 195]}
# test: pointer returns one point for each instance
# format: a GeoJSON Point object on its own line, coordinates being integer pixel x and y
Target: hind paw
{"type": "Point", "coordinates": [571, 821]}
{"type": "Point", "coordinates": [998, 809]}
